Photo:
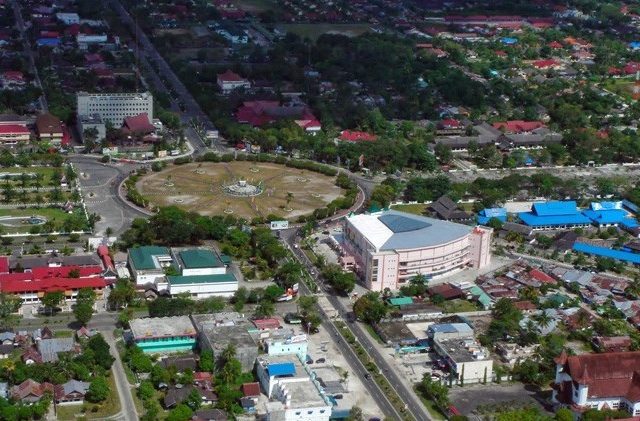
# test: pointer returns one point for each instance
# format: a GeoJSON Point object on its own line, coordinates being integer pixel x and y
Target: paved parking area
{"type": "Point", "coordinates": [468, 398]}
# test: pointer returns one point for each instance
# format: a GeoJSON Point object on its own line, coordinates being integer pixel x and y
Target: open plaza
{"type": "Point", "coordinates": [242, 189]}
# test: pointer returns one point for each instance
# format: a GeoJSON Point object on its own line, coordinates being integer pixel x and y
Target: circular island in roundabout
{"type": "Point", "coordinates": [240, 188]}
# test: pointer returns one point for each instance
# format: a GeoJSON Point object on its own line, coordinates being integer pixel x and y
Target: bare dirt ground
{"type": "Point", "coordinates": [199, 187]}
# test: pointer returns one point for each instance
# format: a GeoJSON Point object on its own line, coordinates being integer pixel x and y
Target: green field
{"type": "Point", "coordinates": [46, 172]}
{"type": "Point", "coordinates": [57, 215]}
{"type": "Point", "coordinates": [416, 208]}
{"type": "Point", "coordinates": [314, 30]}
{"type": "Point", "coordinates": [622, 86]}
{"type": "Point", "coordinates": [109, 407]}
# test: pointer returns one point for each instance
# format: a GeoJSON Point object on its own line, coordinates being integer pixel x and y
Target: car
{"type": "Point", "coordinates": [367, 376]}
{"type": "Point", "coordinates": [321, 361]}
{"type": "Point", "coordinates": [309, 360]}
{"type": "Point", "coordinates": [338, 396]}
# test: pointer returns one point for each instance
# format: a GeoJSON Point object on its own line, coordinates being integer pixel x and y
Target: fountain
{"type": "Point", "coordinates": [243, 189]}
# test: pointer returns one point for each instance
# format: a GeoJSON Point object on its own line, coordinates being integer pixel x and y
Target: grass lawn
{"type": "Point", "coordinates": [46, 172]}
{"type": "Point", "coordinates": [314, 30]}
{"type": "Point", "coordinates": [416, 208]}
{"type": "Point", "coordinates": [50, 213]}
{"type": "Point", "coordinates": [374, 334]}
{"type": "Point", "coordinates": [63, 334]}
{"type": "Point", "coordinates": [620, 86]}
{"type": "Point", "coordinates": [431, 407]}
{"type": "Point", "coordinates": [109, 407]}
{"type": "Point", "coordinates": [458, 306]}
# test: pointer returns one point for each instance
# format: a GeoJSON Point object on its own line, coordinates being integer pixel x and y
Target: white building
{"type": "Point", "coordinates": [148, 263]}
{"type": "Point", "coordinates": [597, 381]}
{"type": "Point", "coordinates": [201, 286]}
{"type": "Point", "coordinates": [390, 247]}
{"type": "Point", "coordinates": [468, 360]}
{"type": "Point", "coordinates": [229, 81]}
{"type": "Point", "coordinates": [68, 18]}
{"type": "Point", "coordinates": [294, 393]}
{"type": "Point", "coordinates": [115, 107]}
{"type": "Point", "coordinates": [289, 344]}
{"type": "Point", "coordinates": [84, 40]}
{"type": "Point", "coordinates": [94, 121]}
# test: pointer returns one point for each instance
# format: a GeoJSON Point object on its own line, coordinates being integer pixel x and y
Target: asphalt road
{"type": "Point", "coordinates": [191, 109]}
{"type": "Point", "coordinates": [128, 408]}
{"type": "Point", "coordinates": [100, 191]}
{"type": "Point", "coordinates": [28, 52]}
{"type": "Point", "coordinates": [411, 401]}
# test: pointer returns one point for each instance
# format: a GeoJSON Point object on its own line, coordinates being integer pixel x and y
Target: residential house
{"type": "Point", "coordinates": [49, 349]}
{"type": "Point", "coordinates": [230, 81]}
{"type": "Point", "coordinates": [448, 210]}
{"type": "Point", "coordinates": [50, 129]}
{"type": "Point", "coordinates": [71, 392]}
{"type": "Point", "coordinates": [30, 391]}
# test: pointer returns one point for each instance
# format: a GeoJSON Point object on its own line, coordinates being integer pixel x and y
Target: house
{"type": "Point", "coordinates": [612, 343]}
{"type": "Point", "coordinates": [356, 136]}
{"type": "Point", "coordinates": [14, 134]}
{"type": "Point", "coordinates": [50, 128]}
{"type": "Point", "coordinates": [487, 214]}
{"type": "Point", "coordinates": [180, 363]}
{"type": "Point", "coordinates": [230, 81]}
{"type": "Point", "coordinates": [554, 215]}
{"type": "Point", "coordinates": [147, 263]}
{"type": "Point", "coordinates": [5, 351]}
{"type": "Point", "coordinates": [518, 126]}
{"type": "Point", "coordinates": [50, 349]}
{"type": "Point", "coordinates": [30, 391]}
{"type": "Point", "coordinates": [71, 392]}
{"type": "Point", "coordinates": [163, 334]}
{"type": "Point", "coordinates": [138, 125]}
{"type": "Point", "coordinates": [446, 291]}
{"type": "Point", "coordinates": [598, 381]}
{"type": "Point", "coordinates": [210, 415]}
{"type": "Point", "coordinates": [310, 126]}
{"type": "Point", "coordinates": [260, 113]}
{"type": "Point", "coordinates": [13, 79]}
{"type": "Point", "coordinates": [31, 356]}
{"type": "Point", "coordinates": [448, 210]}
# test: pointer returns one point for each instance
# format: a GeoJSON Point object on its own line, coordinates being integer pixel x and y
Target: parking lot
{"type": "Point", "coordinates": [480, 398]}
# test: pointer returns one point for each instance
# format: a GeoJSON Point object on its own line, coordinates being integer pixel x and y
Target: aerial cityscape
{"type": "Point", "coordinates": [304, 210]}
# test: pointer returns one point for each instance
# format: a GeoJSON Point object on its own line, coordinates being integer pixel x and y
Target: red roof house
{"type": "Point", "coordinates": [518, 126]}
{"type": "Point", "coordinates": [259, 113]}
{"type": "Point", "coordinates": [555, 45]}
{"type": "Point", "coordinates": [138, 124]}
{"type": "Point", "coordinates": [250, 390]}
{"type": "Point", "coordinates": [267, 324]}
{"type": "Point", "coordinates": [356, 136]}
{"type": "Point", "coordinates": [540, 276]}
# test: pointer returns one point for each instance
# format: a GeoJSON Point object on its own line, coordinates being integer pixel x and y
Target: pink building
{"type": "Point", "coordinates": [391, 247]}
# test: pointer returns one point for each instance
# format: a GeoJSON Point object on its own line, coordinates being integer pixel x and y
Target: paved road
{"type": "Point", "coordinates": [128, 411]}
{"type": "Point", "coordinates": [28, 52]}
{"type": "Point", "coordinates": [191, 109]}
{"type": "Point", "coordinates": [103, 182]}
{"type": "Point", "coordinates": [413, 404]}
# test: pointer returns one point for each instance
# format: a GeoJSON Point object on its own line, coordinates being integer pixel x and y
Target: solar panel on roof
{"type": "Point", "coordinates": [398, 223]}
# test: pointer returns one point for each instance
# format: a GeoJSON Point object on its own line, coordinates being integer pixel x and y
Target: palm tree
{"type": "Point", "coordinates": [289, 199]}
{"type": "Point", "coordinates": [633, 288]}
{"type": "Point", "coordinates": [543, 320]}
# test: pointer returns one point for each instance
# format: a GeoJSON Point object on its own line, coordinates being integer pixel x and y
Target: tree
{"type": "Point", "coordinates": [266, 308]}
{"type": "Point", "coordinates": [180, 413]}
{"type": "Point", "coordinates": [239, 298]}
{"type": "Point", "coordinates": [564, 414]}
{"type": "Point", "coordinates": [52, 299]}
{"type": "Point", "coordinates": [9, 304]}
{"type": "Point", "coordinates": [272, 293]}
{"type": "Point", "coordinates": [355, 414]}
{"type": "Point", "coordinates": [206, 362]}
{"type": "Point", "coordinates": [288, 274]}
{"type": "Point", "coordinates": [83, 313]}
{"type": "Point", "coordinates": [194, 399]}
{"type": "Point", "coordinates": [146, 391]}
{"type": "Point", "coordinates": [435, 391]}
{"type": "Point", "coordinates": [369, 308]}
{"type": "Point", "coordinates": [98, 390]}
{"type": "Point", "coordinates": [383, 195]}
{"type": "Point", "coordinates": [122, 294]}
{"type": "Point", "coordinates": [101, 351]}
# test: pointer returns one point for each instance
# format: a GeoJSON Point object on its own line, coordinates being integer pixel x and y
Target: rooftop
{"type": "Point", "coordinates": [463, 350]}
{"type": "Point", "coordinates": [49, 348]}
{"type": "Point", "coordinates": [391, 230]}
{"type": "Point", "coordinates": [283, 366]}
{"type": "Point", "coordinates": [199, 258]}
{"type": "Point", "coordinates": [162, 327]}
{"type": "Point", "coordinates": [201, 279]}
{"type": "Point", "coordinates": [143, 257]}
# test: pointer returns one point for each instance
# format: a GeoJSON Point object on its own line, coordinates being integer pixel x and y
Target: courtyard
{"type": "Point", "coordinates": [241, 189]}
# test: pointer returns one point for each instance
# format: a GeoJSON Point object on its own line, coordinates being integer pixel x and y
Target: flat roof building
{"type": "Point", "coordinates": [164, 334]}
{"type": "Point", "coordinates": [553, 215]}
{"type": "Point", "coordinates": [217, 331]}
{"type": "Point", "coordinates": [468, 360]}
{"type": "Point", "coordinates": [115, 107]}
{"type": "Point", "coordinates": [391, 247]}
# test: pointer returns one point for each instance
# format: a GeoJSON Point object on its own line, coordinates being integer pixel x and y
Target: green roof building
{"type": "Point", "coordinates": [203, 286]}
{"type": "Point", "coordinates": [147, 263]}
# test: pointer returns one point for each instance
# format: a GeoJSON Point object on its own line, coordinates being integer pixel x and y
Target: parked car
{"type": "Point", "coordinates": [320, 361]}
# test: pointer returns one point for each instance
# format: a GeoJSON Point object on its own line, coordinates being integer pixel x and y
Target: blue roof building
{"type": "Point", "coordinates": [608, 214]}
{"type": "Point", "coordinates": [554, 214]}
{"type": "Point", "coordinates": [48, 42]}
{"type": "Point", "coordinates": [624, 256]}
{"type": "Point", "coordinates": [509, 41]}
{"type": "Point", "coordinates": [634, 45]}
{"type": "Point", "coordinates": [485, 215]}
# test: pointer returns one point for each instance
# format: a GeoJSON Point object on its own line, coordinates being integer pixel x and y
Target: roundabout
{"type": "Point", "coordinates": [239, 188]}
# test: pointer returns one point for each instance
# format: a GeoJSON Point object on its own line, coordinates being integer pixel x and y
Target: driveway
{"type": "Point", "coordinates": [128, 412]}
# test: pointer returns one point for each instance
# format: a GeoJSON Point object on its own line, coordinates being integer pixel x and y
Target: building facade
{"type": "Point", "coordinates": [115, 107]}
{"type": "Point", "coordinates": [598, 381]}
{"type": "Point", "coordinates": [164, 334]}
{"type": "Point", "coordinates": [391, 247]}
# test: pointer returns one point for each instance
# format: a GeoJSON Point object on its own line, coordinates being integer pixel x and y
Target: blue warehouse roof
{"type": "Point", "coordinates": [485, 215]}
{"type": "Point", "coordinates": [555, 220]}
{"type": "Point", "coordinates": [555, 208]}
{"type": "Point", "coordinates": [281, 369]}
{"type": "Point", "coordinates": [625, 256]}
